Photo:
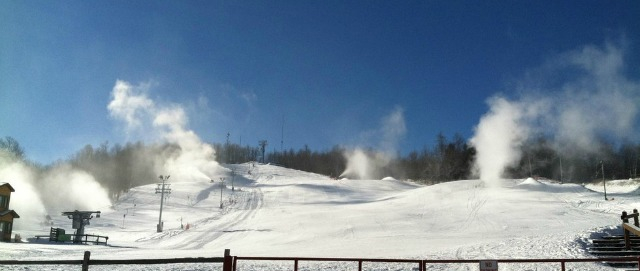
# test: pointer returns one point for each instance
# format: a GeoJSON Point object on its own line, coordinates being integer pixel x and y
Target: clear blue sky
{"type": "Point", "coordinates": [333, 69]}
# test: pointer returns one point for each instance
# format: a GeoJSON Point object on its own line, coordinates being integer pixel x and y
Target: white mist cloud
{"type": "Point", "coordinates": [592, 99]}
{"type": "Point", "coordinates": [603, 102]}
{"type": "Point", "coordinates": [59, 188]}
{"type": "Point", "coordinates": [393, 130]}
{"type": "Point", "coordinates": [195, 159]}
{"type": "Point", "coordinates": [129, 103]}
{"type": "Point", "coordinates": [359, 165]}
{"type": "Point", "coordinates": [26, 199]}
{"type": "Point", "coordinates": [363, 164]}
{"type": "Point", "coordinates": [69, 189]}
{"type": "Point", "coordinates": [498, 137]}
{"type": "Point", "coordinates": [249, 97]}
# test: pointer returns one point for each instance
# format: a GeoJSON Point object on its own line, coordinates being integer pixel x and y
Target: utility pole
{"type": "Point", "coordinates": [263, 145]}
{"type": "Point", "coordinates": [221, 185]}
{"type": "Point", "coordinates": [233, 177]}
{"type": "Point", "coordinates": [162, 189]}
{"type": "Point", "coordinates": [635, 167]}
{"type": "Point", "coordinates": [604, 183]}
{"type": "Point", "coordinates": [228, 151]}
{"type": "Point", "coordinates": [561, 170]}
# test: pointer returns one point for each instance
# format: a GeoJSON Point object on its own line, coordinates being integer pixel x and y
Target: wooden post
{"type": "Point", "coordinates": [360, 265]}
{"type": "Point", "coordinates": [295, 265]}
{"type": "Point", "coordinates": [85, 261]}
{"type": "Point", "coordinates": [635, 218]}
{"type": "Point", "coordinates": [227, 265]}
{"type": "Point", "coordinates": [562, 266]}
{"type": "Point", "coordinates": [627, 239]}
{"type": "Point", "coordinates": [624, 217]}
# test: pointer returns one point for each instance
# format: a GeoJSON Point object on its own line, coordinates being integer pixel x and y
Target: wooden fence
{"type": "Point", "coordinates": [87, 261]}
{"type": "Point", "coordinates": [59, 235]}
{"type": "Point", "coordinates": [630, 228]}
{"type": "Point", "coordinates": [229, 263]}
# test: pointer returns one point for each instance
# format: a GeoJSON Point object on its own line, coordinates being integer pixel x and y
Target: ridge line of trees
{"type": "Point", "coordinates": [121, 167]}
{"type": "Point", "coordinates": [452, 159]}
{"type": "Point", "coordinates": [448, 160]}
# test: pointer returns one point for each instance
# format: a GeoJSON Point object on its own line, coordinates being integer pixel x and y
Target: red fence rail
{"type": "Point", "coordinates": [422, 264]}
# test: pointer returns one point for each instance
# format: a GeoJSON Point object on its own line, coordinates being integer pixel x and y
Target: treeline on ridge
{"type": "Point", "coordinates": [452, 159]}
{"type": "Point", "coordinates": [447, 160]}
{"type": "Point", "coordinates": [121, 167]}
{"type": "Point", "coordinates": [117, 168]}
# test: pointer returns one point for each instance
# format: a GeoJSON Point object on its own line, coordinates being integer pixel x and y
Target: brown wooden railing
{"type": "Point", "coordinates": [59, 235]}
{"type": "Point", "coordinates": [629, 228]}
{"type": "Point", "coordinates": [87, 261]}
{"type": "Point", "coordinates": [229, 263]}
{"type": "Point", "coordinates": [421, 265]}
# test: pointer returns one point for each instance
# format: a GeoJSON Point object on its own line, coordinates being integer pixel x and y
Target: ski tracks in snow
{"type": "Point", "coordinates": [244, 206]}
{"type": "Point", "coordinates": [476, 200]}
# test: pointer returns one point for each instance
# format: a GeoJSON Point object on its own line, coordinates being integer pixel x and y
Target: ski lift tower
{"type": "Point", "coordinates": [162, 189]}
{"type": "Point", "coordinates": [80, 219]}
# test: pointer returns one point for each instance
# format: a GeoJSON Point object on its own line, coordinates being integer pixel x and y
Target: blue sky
{"type": "Point", "coordinates": [333, 70]}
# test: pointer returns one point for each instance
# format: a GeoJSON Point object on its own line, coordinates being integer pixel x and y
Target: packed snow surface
{"type": "Point", "coordinates": [273, 211]}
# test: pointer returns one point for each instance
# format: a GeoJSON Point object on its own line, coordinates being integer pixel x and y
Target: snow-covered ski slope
{"type": "Point", "coordinates": [274, 211]}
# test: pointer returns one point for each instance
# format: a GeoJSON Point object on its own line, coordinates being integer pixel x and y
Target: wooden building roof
{"type": "Point", "coordinates": [8, 185]}
{"type": "Point", "coordinates": [12, 212]}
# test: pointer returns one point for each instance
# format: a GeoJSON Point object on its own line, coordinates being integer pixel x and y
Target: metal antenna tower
{"type": "Point", "coordinates": [263, 145]}
{"type": "Point", "coordinates": [162, 189]}
{"type": "Point", "coordinates": [228, 149]}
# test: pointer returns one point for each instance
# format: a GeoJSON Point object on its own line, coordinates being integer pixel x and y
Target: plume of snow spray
{"type": "Point", "coordinates": [597, 101]}
{"type": "Point", "coordinates": [363, 164]}
{"type": "Point", "coordinates": [359, 165]}
{"type": "Point", "coordinates": [26, 199]}
{"type": "Point", "coordinates": [498, 137]}
{"type": "Point", "coordinates": [194, 160]}
{"type": "Point", "coordinates": [59, 188]}
{"type": "Point", "coordinates": [77, 188]}
{"type": "Point", "coordinates": [63, 187]}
